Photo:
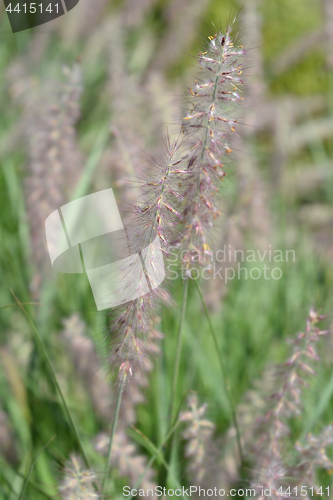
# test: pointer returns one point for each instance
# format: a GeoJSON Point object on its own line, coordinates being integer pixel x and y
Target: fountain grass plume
{"type": "Point", "coordinates": [208, 127]}
{"type": "Point", "coordinates": [78, 482]}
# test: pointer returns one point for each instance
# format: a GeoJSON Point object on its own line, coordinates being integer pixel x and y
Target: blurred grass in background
{"type": "Point", "coordinates": [136, 60]}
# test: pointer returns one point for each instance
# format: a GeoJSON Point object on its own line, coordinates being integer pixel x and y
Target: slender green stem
{"type": "Point", "coordinates": [30, 481]}
{"type": "Point", "coordinates": [166, 460]}
{"type": "Point", "coordinates": [157, 452]}
{"type": "Point", "coordinates": [172, 417]}
{"type": "Point", "coordinates": [113, 431]}
{"type": "Point", "coordinates": [9, 484]}
{"type": "Point", "coordinates": [23, 304]}
{"type": "Point", "coordinates": [224, 373]}
{"type": "Point", "coordinates": [92, 163]}
{"type": "Point", "coordinates": [150, 446]}
{"type": "Point", "coordinates": [54, 378]}
{"type": "Point", "coordinates": [26, 480]}
{"type": "Point", "coordinates": [178, 352]}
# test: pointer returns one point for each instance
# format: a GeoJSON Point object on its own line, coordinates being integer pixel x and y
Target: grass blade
{"type": "Point", "coordinates": [54, 378]}
{"type": "Point", "coordinates": [224, 372]}
{"type": "Point", "coordinates": [31, 468]}
{"type": "Point", "coordinates": [113, 430]}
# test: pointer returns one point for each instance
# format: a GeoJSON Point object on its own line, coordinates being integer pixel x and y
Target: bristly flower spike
{"type": "Point", "coordinates": [207, 128]}
{"type": "Point", "coordinates": [78, 483]}
{"type": "Point", "coordinates": [159, 214]}
{"type": "Point", "coordinates": [178, 205]}
{"type": "Point", "coordinates": [285, 403]}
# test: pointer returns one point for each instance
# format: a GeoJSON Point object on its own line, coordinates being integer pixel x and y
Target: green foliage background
{"type": "Point", "coordinates": [252, 321]}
